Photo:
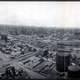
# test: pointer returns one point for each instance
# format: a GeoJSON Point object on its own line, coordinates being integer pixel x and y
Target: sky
{"type": "Point", "coordinates": [45, 13]}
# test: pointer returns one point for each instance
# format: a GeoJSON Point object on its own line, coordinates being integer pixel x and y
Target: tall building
{"type": "Point", "coordinates": [4, 37]}
{"type": "Point", "coordinates": [62, 60]}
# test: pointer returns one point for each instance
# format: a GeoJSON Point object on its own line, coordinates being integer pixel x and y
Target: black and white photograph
{"type": "Point", "coordinates": [39, 40]}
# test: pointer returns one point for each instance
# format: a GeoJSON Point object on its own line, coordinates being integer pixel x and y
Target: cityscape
{"type": "Point", "coordinates": [39, 40]}
{"type": "Point", "coordinates": [39, 53]}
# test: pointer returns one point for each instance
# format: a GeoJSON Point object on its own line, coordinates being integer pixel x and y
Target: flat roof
{"type": "Point", "coordinates": [74, 68]}
{"type": "Point", "coordinates": [63, 50]}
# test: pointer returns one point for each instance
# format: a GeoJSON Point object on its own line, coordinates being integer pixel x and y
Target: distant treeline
{"type": "Point", "coordinates": [28, 30]}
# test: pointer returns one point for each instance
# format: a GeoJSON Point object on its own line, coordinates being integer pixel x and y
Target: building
{"type": "Point", "coordinates": [62, 60]}
{"type": "Point", "coordinates": [4, 37]}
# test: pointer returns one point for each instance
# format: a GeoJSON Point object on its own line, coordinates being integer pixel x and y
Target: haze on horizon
{"type": "Point", "coordinates": [45, 13]}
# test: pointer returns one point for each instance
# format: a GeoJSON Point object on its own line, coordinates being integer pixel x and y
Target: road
{"type": "Point", "coordinates": [17, 59]}
{"type": "Point", "coordinates": [30, 73]}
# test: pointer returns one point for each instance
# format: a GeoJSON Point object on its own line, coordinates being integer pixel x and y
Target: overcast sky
{"type": "Point", "coordinates": [59, 14]}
